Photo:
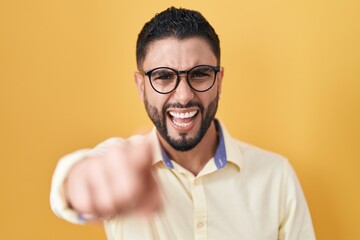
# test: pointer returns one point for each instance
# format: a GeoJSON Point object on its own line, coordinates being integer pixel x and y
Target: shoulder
{"type": "Point", "coordinates": [256, 159]}
{"type": "Point", "coordinates": [250, 151]}
{"type": "Point", "coordinates": [248, 156]}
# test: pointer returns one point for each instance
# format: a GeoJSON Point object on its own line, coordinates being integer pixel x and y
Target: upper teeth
{"type": "Point", "coordinates": [183, 115]}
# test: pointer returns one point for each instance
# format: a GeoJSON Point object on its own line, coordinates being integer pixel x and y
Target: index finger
{"type": "Point", "coordinates": [141, 153]}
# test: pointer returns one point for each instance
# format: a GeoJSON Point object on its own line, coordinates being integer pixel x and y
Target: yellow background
{"type": "Point", "coordinates": [292, 85]}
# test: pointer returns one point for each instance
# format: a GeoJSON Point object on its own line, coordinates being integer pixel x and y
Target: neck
{"type": "Point", "coordinates": [195, 159]}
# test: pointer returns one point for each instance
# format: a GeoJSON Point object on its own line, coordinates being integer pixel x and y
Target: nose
{"type": "Point", "coordinates": [183, 93]}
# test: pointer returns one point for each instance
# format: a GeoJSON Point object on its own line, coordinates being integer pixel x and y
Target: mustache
{"type": "Point", "coordinates": [179, 105]}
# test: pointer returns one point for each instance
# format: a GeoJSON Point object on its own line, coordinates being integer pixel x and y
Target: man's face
{"type": "Point", "coordinates": [183, 116]}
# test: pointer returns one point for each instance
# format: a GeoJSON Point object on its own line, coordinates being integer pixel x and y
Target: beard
{"type": "Point", "coordinates": [183, 143]}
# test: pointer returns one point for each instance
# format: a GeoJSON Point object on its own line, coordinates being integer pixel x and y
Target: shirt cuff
{"type": "Point", "coordinates": [58, 202]}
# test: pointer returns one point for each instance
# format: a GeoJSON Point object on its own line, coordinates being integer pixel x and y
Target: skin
{"type": "Point", "coordinates": [185, 54]}
{"type": "Point", "coordinates": [119, 179]}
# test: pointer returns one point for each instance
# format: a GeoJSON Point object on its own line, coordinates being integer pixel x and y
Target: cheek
{"type": "Point", "coordinates": [155, 99]}
{"type": "Point", "coordinates": [207, 97]}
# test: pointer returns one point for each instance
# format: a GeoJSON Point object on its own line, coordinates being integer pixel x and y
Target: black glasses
{"type": "Point", "coordinates": [165, 80]}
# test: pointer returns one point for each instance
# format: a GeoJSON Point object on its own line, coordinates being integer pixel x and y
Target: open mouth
{"type": "Point", "coordinates": [184, 118]}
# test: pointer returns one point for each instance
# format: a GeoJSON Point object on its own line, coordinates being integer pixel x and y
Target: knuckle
{"type": "Point", "coordinates": [105, 206]}
{"type": "Point", "coordinates": [81, 203]}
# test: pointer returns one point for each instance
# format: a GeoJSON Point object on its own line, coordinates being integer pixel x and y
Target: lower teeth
{"type": "Point", "coordinates": [182, 124]}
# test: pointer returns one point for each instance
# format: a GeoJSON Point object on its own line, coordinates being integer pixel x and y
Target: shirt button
{"type": "Point", "coordinates": [200, 225]}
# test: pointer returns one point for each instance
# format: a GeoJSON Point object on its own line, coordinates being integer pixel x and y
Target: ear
{"type": "Point", "coordinates": [219, 78]}
{"type": "Point", "coordinates": [140, 84]}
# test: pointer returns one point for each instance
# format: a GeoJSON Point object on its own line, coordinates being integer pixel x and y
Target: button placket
{"type": "Point", "coordinates": [200, 209]}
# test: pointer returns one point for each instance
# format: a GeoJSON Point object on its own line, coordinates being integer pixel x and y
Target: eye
{"type": "Point", "coordinates": [163, 75]}
{"type": "Point", "coordinates": [201, 73]}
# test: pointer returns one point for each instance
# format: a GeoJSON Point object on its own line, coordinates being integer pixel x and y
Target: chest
{"type": "Point", "coordinates": [221, 205]}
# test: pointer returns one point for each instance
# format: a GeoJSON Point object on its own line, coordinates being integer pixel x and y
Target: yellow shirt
{"type": "Point", "coordinates": [252, 195]}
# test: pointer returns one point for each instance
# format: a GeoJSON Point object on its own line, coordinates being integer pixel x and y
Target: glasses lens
{"type": "Point", "coordinates": [163, 80]}
{"type": "Point", "coordinates": [202, 78]}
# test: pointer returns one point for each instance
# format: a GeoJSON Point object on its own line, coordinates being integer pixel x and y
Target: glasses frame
{"type": "Point", "coordinates": [215, 69]}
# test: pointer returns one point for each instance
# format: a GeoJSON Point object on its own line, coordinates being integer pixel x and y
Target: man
{"type": "Point", "coordinates": [188, 178]}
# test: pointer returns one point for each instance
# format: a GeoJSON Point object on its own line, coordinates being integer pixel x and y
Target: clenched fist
{"type": "Point", "coordinates": [113, 180]}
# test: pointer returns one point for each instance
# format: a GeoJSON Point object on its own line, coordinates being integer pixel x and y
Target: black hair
{"type": "Point", "coordinates": [178, 23]}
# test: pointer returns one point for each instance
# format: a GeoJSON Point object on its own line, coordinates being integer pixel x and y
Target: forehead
{"type": "Point", "coordinates": [180, 54]}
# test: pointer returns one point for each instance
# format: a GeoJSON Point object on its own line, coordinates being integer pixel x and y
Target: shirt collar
{"type": "Point", "coordinates": [227, 149]}
{"type": "Point", "coordinates": [220, 158]}
{"type": "Point", "coordinates": [233, 151]}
